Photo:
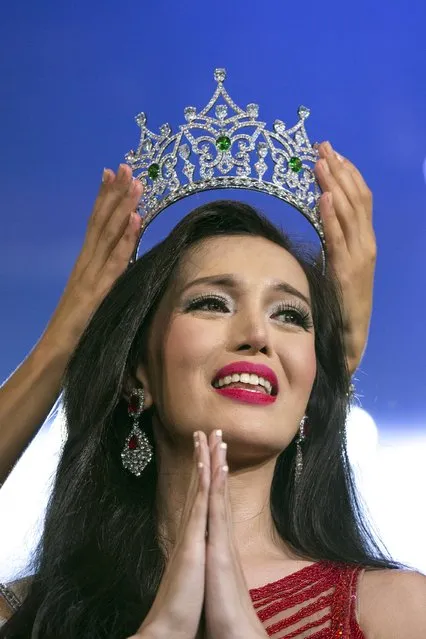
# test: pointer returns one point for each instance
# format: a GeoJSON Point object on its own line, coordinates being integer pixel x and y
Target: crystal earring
{"type": "Point", "coordinates": [137, 451]}
{"type": "Point", "coordinates": [299, 457]}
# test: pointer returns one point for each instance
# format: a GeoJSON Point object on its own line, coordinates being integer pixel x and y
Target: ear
{"type": "Point", "coordinates": [141, 379]}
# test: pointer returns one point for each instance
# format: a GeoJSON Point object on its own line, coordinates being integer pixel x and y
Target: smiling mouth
{"type": "Point", "coordinates": [246, 381]}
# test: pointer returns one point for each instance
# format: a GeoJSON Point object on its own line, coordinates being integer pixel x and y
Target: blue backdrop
{"type": "Point", "coordinates": [74, 75]}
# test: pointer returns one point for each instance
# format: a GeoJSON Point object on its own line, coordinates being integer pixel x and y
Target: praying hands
{"type": "Point", "coordinates": [204, 574]}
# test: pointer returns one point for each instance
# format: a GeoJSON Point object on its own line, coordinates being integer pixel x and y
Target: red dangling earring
{"type": "Point", "coordinates": [137, 451]}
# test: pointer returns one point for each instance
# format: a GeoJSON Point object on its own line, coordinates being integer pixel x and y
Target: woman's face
{"type": "Point", "coordinates": [241, 301]}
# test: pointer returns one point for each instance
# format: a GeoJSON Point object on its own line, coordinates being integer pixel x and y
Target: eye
{"type": "Point", "coordinates": [208, 303]}
{"type": "Point", "coordinates": [294, 314]}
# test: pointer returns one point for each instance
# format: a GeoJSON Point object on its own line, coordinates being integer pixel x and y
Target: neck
{"type": "Point", "coordinates": [254, 532]}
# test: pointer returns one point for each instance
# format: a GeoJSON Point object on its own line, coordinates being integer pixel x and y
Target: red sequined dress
{"type": "Point", "coordinates": [316, 602]}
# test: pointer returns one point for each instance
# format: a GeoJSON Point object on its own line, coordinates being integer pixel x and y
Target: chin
{"type": "Point", "coordinates": [257, 435]}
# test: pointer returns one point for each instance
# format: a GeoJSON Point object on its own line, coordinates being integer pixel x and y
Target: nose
{"type": "Point", "coordinates": [250, 333]}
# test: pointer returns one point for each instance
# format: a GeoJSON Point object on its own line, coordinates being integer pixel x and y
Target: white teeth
{"type": "Point", "coordinates": [245, 378]}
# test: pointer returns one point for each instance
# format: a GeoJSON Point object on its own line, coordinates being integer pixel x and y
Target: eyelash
{"type": "Point", "coordinates": [303, 316]}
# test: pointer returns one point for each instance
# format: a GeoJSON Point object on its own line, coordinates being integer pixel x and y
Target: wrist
{"type": "Point", "coordinates": [150, 632]}
{"type": "Point", "coordinates": [52, 351]}
{"type": "Point", "coordinates": [62, 334]}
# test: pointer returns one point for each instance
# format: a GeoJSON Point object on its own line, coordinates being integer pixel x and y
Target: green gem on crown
{"type": "Point", "coordinates": [153, 171]}
{"type": "Point", "coordinates": [223, 143]}
{"type": "Point", "coordinates": [295, 164]}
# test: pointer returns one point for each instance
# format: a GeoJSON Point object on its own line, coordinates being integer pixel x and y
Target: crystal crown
{"type": "Point", "coordinates": [224, 146]}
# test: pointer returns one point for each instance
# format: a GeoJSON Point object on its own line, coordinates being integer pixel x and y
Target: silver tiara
{"type": "Point", "coordinates": [223, 147]}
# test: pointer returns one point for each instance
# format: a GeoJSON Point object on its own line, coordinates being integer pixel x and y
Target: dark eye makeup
{"type": "Point", "coordinates": [295, 312]}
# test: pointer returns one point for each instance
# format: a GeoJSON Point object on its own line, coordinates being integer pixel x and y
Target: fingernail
{"type": "Point", "coordinates": [196, 435]}
{"type": "Point", "coordinates": [339, 157]}
{"type": "Point", "coordinates": [328, 148]}
{"type": "Point", "coordinates": [135, 218]}
{"type": "Point", "coordinates": [224, 445]}
{"type": "Point", "coordinates": [120, 170]}
{"type": "Point", "coordinates": [105, 175]}
{"type": "Point", "coordinates": [218, 433]}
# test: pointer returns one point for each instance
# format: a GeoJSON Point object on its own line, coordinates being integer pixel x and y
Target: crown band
{"type": "Point", "coordinates": [226, 147]}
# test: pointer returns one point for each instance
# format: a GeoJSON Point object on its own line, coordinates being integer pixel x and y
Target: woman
{"type": "Point", "coordinates": [27, 397]}
{"type": "Point", "coordinates": [125, 551]}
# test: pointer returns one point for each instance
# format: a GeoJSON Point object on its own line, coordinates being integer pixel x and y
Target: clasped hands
{"type": "Point", "coordinates": [204, 574]}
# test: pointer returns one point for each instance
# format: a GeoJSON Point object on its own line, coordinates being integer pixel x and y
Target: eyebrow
{"type": "Point", "coordinates": [229, 281]}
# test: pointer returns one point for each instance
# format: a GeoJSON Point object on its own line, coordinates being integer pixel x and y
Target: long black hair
{"type": "Point", "coordinates": [99, 561]}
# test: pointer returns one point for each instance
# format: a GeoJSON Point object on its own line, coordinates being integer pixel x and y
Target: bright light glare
{"type": "Point", "coordinates": [362, 437]}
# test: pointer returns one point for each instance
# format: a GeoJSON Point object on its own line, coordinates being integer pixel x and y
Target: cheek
{"type": "Point", "coordinates": [301, 364]}
{"type": "Point", "coordinates": [190, 343]}
{"type": "Point", "coordinates": [189, 357]}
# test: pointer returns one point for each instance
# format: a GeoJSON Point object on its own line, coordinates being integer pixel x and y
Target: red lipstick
{"type": "Point", "coordinates": [248, 395]}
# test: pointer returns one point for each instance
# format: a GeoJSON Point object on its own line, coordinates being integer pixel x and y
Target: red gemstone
{"type": "Point", "coordinates": [133, 442]}
{"type": "Point", "coordinates": [134, 404]}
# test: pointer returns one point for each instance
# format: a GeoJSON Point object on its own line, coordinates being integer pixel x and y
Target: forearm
{"type": "Point", "coordinates": [353, 363]}
{"type": "Point", "coordinates": [26, 399]}
{"type": "Point", "coordinates": [355, 345]}
{"type": "Point", "coordinates": [150, 632]}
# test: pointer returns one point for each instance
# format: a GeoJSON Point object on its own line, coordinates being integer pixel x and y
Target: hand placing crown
{"type": "Point", "coordinates": [222, 147]}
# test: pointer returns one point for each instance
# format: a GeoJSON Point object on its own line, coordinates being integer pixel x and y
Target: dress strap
{"type": "Point", "coordinates": [10, 597]}
{"type": "Point", "coordinates": [344, 612]}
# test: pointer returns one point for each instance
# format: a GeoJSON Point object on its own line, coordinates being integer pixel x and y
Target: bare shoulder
{"type": "Point", "coordinates": [392, 604]}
